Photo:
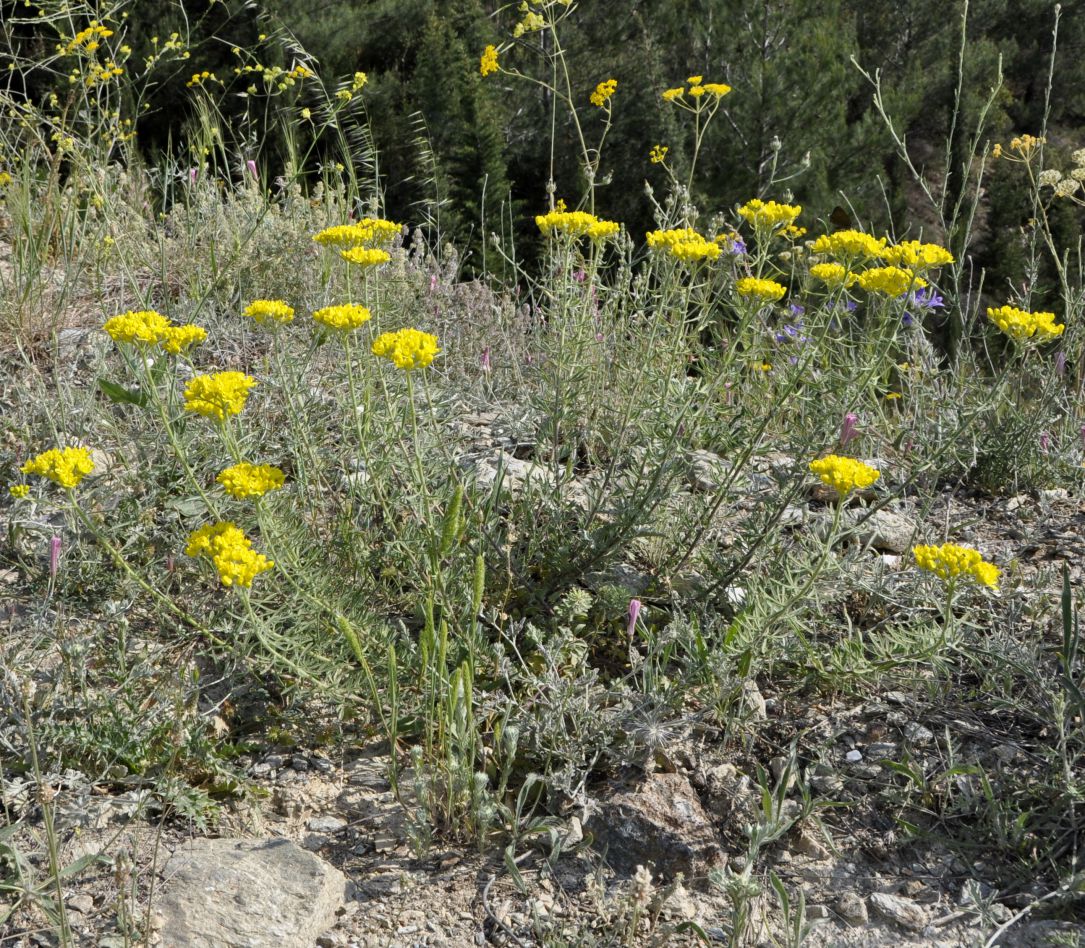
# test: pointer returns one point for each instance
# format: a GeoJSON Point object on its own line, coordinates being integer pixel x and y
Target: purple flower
{"type": "Point", "coordinates": [484, 360]}
{"type": "Point", "coordinates": [928, 298]}
{"type": "Point", "coordinates": [54, 557]}
{"type": "Point", "coordinates": [1045, 441]}
{"type": "Point", "coordinates": [848, 429]}
{"type": "Point", "coordinates": [251, 165]}
{"type": "Point", "coordinates": [193, 174]}
{"type": "Point", "coordinates": [907, 319]}
{"type": "Point", "coordinates": [796, 310]}
{"type": "Point", "coordinates": [579, 275]}
{"type": "Point", "coordinates": [634, 611]}
{"type": "Point", "coordinates": [850, 305]}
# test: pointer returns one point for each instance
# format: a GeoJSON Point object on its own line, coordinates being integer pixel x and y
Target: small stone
{"type": "Point", "coordinates": [81, 903]}
{"type": "Point", "coordinates": [707, 471]}
{"type": "Point", "coordinates": [918, 734]}
{"type": "Point", "coordinates": [299, 764]}
{"type": "Point", "coordinates": [853, 756]}
{"type": "Point", "coordinates": [326, 824]}
{"type": "Point", "coordinates": [852, 909]}
{"type": "Point", "coordinates": [904, 912]}
{"type": "Point", "coordinates": [881, 750]}
{"type": "Point", "coordinates": [755, 704]}
{"type": "Point", "coordinates": [817, 911]}
{"type": "Point", "coordinates": [809, 845]}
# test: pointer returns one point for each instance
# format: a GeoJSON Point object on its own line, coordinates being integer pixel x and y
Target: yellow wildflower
{"type": "Point", "coordinates": [406, 349]}
{"type": "Point", "coordinates": [658, 154]}
{"type": "Point", "coordinates": [603, 92]}
{"type": "Point", "coordinates": [218, 395]}
{"type": "Point", "coordinates": [695, 80]}
{"type": "Point", "coordinates": [1023, 326]}
{"type": "Point", "coordinates": [834, 274]}
{"type": "Point", "coordinates": [250, 480]}
{"type": "Point", "coordinates": [671, 94]}
{"type": "Point", "coordinates": [752, 287]}
{"type": "Point", "coordinates": [19, 491]}
{"type": "Point", "coordinates": [718, 89]}
{"type": "Point", "coordinates": [602, 230]}
{"type": "Point", "coordinates": [488, 62]}
{"type": "Point", "coordinates": [144, 326]}
{"type": "Point", "coordinates": [231, 552]}
{"type": "Point", "coordinates": [768, 215]}
{"type": "Point", "coordinates": [849, 244]}
{"type": "Point", "coordinates": [844, 474]}
{"type": "Point", "coordinates": [269, 310]}
{"type": "Point", "coordinates": [365, 256]}
{"type": "Point", "coordinates": [65, 467]}
{"type": "Point", "coordinates": [917, 256]}
{"type": "Point", "coordinates": [684, 244]}
{"type": "Point", "coordinates": [345, 317]}
{"type": "Point", "coordinates": [575, 224]}
{"type": "Point", "coordinates": [368, 232]}
{"type": "Point", "coordinates": [531, 23]}
{"type": "Point", "coordinates": [180, 338]}
{"type": "Point", "coordinates": [892, 281]}
{"type": "Point", "coordinates": [949, 561]}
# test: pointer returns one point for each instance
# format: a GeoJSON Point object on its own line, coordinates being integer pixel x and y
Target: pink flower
{"type": "Point", "coordinates": [848, 429]}
{"type": "Point", "coordinates": [54, 557]}
{"type": "Point", "coordinates": [1045, 441]}
{"type": "Point", "coordinates": [433, 283]}
{"type": "Point", "coordinates": [484, 360]}
{"type": "Point", "coordinates": [634, 611]}
{"type": "Point", "coordinates": [193, 174]}
{"type": "Point", "coordinates": [251, 165]}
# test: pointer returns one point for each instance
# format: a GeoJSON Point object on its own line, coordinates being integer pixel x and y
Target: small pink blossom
{"type": "Point", "coordinates": [634, 612]}
{"type": "Point", "coordinates": [193, 174]}
{"type": "Point", "coordinates": [849, 429]}
{"type": "Point", "coordinates": [484, 359]}
{"type": "Point", "coordinates": [251, 165]}
{"type": "Point", "coordinates": [54, 556]}
{"type": "Point", "coordinates": [1045, 441]}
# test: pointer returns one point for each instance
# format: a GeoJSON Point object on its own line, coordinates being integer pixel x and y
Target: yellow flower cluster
{"type": "Point", "coordinates": [1025, 146]}
{"type": "Point", "coordinates": [488, 62]}
{"type": "Point", "coordinates": [250, 480]}
{"type": "Point", "coordinates": [218, 395]}
{"type": "Point", "coordinates": [844, 474]}
{"type": "Point", "coordinates": [5, 179]}
{"type": "Point", "coordinates": [576, 224]}
{"type": "Point", "coordinates": [1022, 326]}
{"type": "Point", "coordinates": [849, 244]}
{"type": "Point", "coordinates": [603, 92]}
{"type": "Point", "coordinates": [180, 338]}
{"type": "Point", "coordinates": [365, 256]}
{"type": "Point", "coordinates": [269, 310]}
{"type": "Point", "coordinates": [917, 256]}
{"type": "Point", "coordinates": [833, 274]}
{"type": "Point", "coordinates": [697, 88]}
{"type": "Point", "coordinates": [531, 23]}
{"type": "Point", "coordinates": [100, 72]}
{"type": "Point", "coordinates": [199, 78]}
{"type": "Point", "coordinates": [658, 154]}
{"type": "Point", "coordinates": [684, 244]}
{"type": "Point", "coordinates": [65, 467]}
{"type": "Point", "coordinates": [345, 317]}
{"type": "Point", "coordinates": [892, 281]}
{"type": "Point", "coordinates": [406, 349]}
{"type": "Point", "coordinates": [147, 327]}
{"type": "Point", "coordinates": [768, 215]}
{"type": "Point", "coordinates": [19, 491]}
{"type": "Point", "coordinates": [949, 561]}
{"type": "Point", "coordinates": [87, 40]}
{"type": "Point", "coordinates": [368, 232]}
{"type": "Point", "coordinates": [230, 551]}
{"type": "Point", "coordinates": [752, 287]}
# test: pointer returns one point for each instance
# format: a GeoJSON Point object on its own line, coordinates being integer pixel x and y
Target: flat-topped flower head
{"type": "Point", "coordinates": [180, 339]}
{"type": "Point", "coordinates": [368, 232]}
{"type": "Point", "coordinates": [269, 311]}
{"type": "Point", "coordinates": [768, 215]}
{"type": "Point", "coordinates": [406, 349]}
{"type": "Point", "coordinates": [19, 491]}
{"type": "Point", "coordinates": [917, 256]}
{"type": "Point", "coordinates": [345, 317]}
{"type": "Point", "coordinates": [65, 467]}
{"type": "Point", "coordinates": [950, 561]}
{"type": "Point", "coordinates": [849, 245]}
{"type": "Point", "coordinates": [832, 274]}
{"type": "Point", "coordinates": [683, 243]}
{"type": "Point", "coordinates": [230, 551]}
{"type": "Point", "coordinates": [218, 395]}
{"type": "Point", "coordinates": [365, 256]}
{"type": "Point", "coordinates": [145, 326]}
{"type": "Point", "coordinates": [250, 480]}
{"type": "Point", "coordinates": [755, 288]}
{"type": "Point", "coordinates": [570, 223]}
{"type": "Point", "coordinates": [1024, 327]}
{"type": "Point", "coordinates": [603, 92]}
{"type": "Point", "coordinates": [844, 474]}
{"type": "Point", "coordinates": [890, 281]}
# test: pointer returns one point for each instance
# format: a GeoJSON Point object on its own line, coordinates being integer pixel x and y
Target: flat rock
{"type": "Point", "coordinates": [882, 530]}
{"type": "Point", "coordinates": [904, 912]}
{"type": "Point", "coordinates": [658, 823]}
{"type": "Point", "coordinates": [243, 893]}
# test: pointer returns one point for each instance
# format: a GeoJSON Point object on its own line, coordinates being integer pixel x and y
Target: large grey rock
{"type": "Point", "coordinates": [904, 912]}
{"type": "Point", "coordinates": [881, 530]}
{"type": "Point", "coordinates": [658, 823]}
{"type": "Point", "coordinates": [242, 893]}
